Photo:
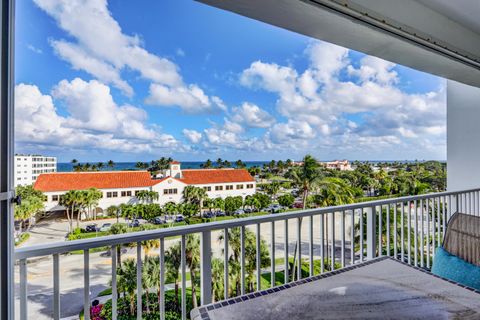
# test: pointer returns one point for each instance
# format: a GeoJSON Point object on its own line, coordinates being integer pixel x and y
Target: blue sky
{"type": "Point", "coordinates": [137, 80]}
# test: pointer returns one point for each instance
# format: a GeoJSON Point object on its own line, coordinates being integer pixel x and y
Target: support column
{"type": "Point", "coordinates": [6, 160]}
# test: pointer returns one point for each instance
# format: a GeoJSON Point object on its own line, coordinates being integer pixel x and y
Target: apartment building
{"type": "Point", "coordinates": [29, 166]}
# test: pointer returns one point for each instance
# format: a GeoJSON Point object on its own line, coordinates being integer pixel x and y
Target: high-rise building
{"type": "Point", "coordinates": [29, 166]}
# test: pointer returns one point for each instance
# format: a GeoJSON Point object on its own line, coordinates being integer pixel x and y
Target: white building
{"type": "Point", "coordinates": [29, 167]}
{"type": "Point", "coordinates": [342, 165]}
{"type": "Point", "coordinates": [121, 186]}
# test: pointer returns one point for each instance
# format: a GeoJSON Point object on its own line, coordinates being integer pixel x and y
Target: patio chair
{"type": "Point", "coordinates": [462, 238]}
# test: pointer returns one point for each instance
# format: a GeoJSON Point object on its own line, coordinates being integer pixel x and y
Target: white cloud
{"type": "Point", "coordinates": [94, 120]}
{"type": "Point", "coordinates": [180, 52]}
{"type": "Point", "coordinates": [103, 50]}
{"type": "Point", "coordinates": [317, 101]}
{"type": "Point", "coordinates": [269, 76]}
{"type": "Point", "coordinates": [251, 115]}
{"type": "Point", "coordinates": [34, 49]}
{"type": "Point", "coordinates": [192, 135]}
{"type": "Point", "coordinates": [191, 99]}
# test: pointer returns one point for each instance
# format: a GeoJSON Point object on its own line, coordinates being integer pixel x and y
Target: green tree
{"type": "Point", "coordinates": [173, 262]}
{"type": "Point", "coordinates": [273, 188]}
{"type": "Point", "coordinates": [32, 202]}
{"type": "Point", "coordinates": [262, 199]}
{"type": "Point", "coordinates": [217, 279]}
{"type": "Point", "coordinates": [305, 177]}
{"type": "Point", "coordinates": [207, 165]}
{"type": "Point", "coordinates": [286, 200]}
{"type": "Point", "coordinates": [233, 203]}
{"type": "Point", "coordinates": [147, 196]}
{"type": "Point", "coordinates": [118, 228]}
{"type": "Point", "coordinates": [127, 281]}
{"type": "Point", "coordinates": [192, 258]}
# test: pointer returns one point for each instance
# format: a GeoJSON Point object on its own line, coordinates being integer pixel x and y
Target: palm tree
{"type": "Point", "coordinates": [192, 258]}
{"type": "Point", "coordinates": [74, 161]}
{"type": "Point", "coordinates": [147, 196]}
{"type": "Point", "coordinates": [173, 262]}
{"type": "Point", "coordinates": [91, 198]}
{"type": "Point", "coordinates": [217, 279]}
{"type": "Point", "coordinates": [152, 267]}
{"type": "Point", "coordinates": [227, 164]}
{"type": "Point", "coordinates": [234, 240]}
{"type": "Point", "coordinates": [71, 200]}
{"type": "Point", "coordinates": [207, 164]}
{"type": "Point", "coordinates": [194, 195]}
{"type": "Point", "coordinates": [149, 244]}
{"type": "Point", "coordinates": [100, 165]}
{"type": "Point", "coordinates": [219, 163]}
{"type": "Point", "coordinates": [118, 228]}
{"type": "Point", "coordinates": [127, 281]}
{"type": "Point", "coordinates": [273, 189]}
{"type": "Point", "coordinates": [240, 164]}
{"type": "Point", "coordinates": [110, 163]}
{"type": "Point", "coordinates": [306, 177]}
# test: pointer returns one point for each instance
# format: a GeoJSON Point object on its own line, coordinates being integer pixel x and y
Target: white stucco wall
{"type": "Point", "coordinates": [103, 203]}
{"type": "Point", "coordinates": [159, 187]}
{"type": "Point", "coordinates": [169, 184]}
{"type": "Point", "coordinates": [463, 136]}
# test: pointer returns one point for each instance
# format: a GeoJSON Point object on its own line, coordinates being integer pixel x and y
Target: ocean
{"type": "Point", "coordinates": [66, 166]}
{"type": "Point", "coordinates": [119, 166]}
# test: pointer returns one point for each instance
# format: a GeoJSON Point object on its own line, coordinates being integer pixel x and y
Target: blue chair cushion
{"type": "Point", "coordinates": [451, 267]}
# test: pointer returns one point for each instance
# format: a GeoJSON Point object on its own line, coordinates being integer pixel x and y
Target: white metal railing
{"type": "Point", "coordinates": [418, 226]}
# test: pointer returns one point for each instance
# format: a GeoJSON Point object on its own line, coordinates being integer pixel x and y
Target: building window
{"type": "Point", "coordinates": [126, 193]}
{"type": "Point", "coordinates": [218, 188]}
{"type": "Point", "coordinates": [55, 197]}
{"type": "Point", "coordinates": [229, 187]}
{"type": "Point", "coordinates": [239, 186]}
{"type": "Point", "coordinates": [207, 188]}
{"type": "Point", "coordinates": [114, 194]}
{"type": "Point", "coordinates": [250, 186]}
{"type": "Point", "coordinates": [109, 194]}
{"type": "Point", "coordinates": [170, 191]}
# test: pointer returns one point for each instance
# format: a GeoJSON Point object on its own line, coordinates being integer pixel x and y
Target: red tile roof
{"type": "Point", "coordinates": [175, 162]}
{"type": "Point", "coordinates": [205, 176]}
{"type": "Point", "coordinates": [64, 181]}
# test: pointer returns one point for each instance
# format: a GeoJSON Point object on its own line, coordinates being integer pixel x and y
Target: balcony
{"type": "Point", "coordinates": [322, 240]}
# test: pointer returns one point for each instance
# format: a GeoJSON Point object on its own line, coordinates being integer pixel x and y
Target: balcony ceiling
{"type": "Point", "coordinates": [441, 37]}
{"type": "Point", "coordinates": [464, 12]}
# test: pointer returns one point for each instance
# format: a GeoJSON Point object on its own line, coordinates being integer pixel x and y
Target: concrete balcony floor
{"type": "Point", "coordinates": [383, 288]}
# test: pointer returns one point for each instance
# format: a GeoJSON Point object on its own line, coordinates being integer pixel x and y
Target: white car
{"type": "Point", "coordinates": [105, 227]}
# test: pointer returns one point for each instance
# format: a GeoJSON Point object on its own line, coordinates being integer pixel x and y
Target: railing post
{"type": "Point", "coordinates": [206, 268]}
{"type": "Point", "coordinates": [371, 232]}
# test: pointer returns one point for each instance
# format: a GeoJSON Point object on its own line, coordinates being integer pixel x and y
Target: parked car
{"type": "Point", "coordinates": [220, 213]}
{"type": "Point", "coordinates": [248, 210]}
{"type": "Point", "coordinates": [179, 218]}
{"type": "Point", "coordinates": [298, 205]}
{"type": "Point", "coordinates": [208, 214]}
{"type": "Point", "coordinates": [273, 208]}
{"type": "Point", "coordinates": [158, 220]}
{"type": "Point", "coordinates": [91, 228]}
{"type": "Point", "coordinates": [105, 227]}
{"type": "Point", "coordinates": [134, 223]}
{"type": "Point", "coordinates": [238, 212]}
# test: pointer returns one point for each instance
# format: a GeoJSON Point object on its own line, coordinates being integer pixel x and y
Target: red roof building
{"type": "Point", "coordinates": [64, 181]}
